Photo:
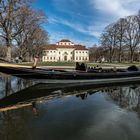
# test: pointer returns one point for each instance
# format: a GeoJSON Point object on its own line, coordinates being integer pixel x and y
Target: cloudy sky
{"type": "Point", "coordinates": [82, 21]}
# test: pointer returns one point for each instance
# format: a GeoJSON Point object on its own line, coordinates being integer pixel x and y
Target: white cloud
{"type": "Point", "coordinates": [88, 29]}
{"type": "Point", "coordinates": [57, 36]}
{"type": "Point", "coordinates": [117, 8]}
{"type": "Point", "coordinates": [113, 9]}
{"type": "Point", "coordinates": [102, 13]}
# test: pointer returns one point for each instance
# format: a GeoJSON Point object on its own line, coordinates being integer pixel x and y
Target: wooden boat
{"type": "Point", "coordinates": [63, 76]}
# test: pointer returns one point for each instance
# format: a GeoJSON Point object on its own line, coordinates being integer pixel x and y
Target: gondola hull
{"type": "Point", "coordinates": [62, 76]}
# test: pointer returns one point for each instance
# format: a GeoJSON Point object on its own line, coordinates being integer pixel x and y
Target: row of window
{"type": "Point", "coordinates": [82, 58]}
{"type": "Point", "coordinates": [77, 58]}
{"type": "Point", "coordinates": [81, 52]}
{"type": "Point", "coordinates": [50, 58]}
{"type": "Point", "coordinates": [54, 52]}
{"type": "Point", "coordinates": [65, 43]}
{"type": "Point", "coordinates": [53, 58]}
{"type": "Point", "coordinates": [71, 52]}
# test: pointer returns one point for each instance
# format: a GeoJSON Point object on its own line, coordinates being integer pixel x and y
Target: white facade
{"type": "Point", "coordinates": [65, 51]}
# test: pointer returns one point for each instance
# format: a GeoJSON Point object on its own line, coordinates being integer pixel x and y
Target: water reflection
{"type": "Point", "coordinates": [34, 107]}
{"type": "Point", "coordinates": [10, 85]}
{"type": "Point", "coordinates": [70, 112]}
{"type": "Point", "coordinates": [84, 95]}
{"type": "Point", "coordinates": [14, 125]}
{"type": "Point", "coordinates": [126, 97]}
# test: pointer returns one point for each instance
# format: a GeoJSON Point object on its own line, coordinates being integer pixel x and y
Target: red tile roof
{"type": "Point", "coordinates": [76, 47]}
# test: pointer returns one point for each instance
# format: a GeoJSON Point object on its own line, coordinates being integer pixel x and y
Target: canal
{"type": "Point", "coordinates": [31, 111]}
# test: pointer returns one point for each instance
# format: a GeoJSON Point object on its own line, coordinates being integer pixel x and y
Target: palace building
{"type": "Point", "coordinates": [65, 51]}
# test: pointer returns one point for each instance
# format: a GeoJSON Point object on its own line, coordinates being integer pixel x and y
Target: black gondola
{"type": "Point", "coordinates": [63, 76]}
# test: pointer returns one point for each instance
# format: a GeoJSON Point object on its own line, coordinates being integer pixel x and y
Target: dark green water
{"type": "Point", "coordinates": [108, 113]}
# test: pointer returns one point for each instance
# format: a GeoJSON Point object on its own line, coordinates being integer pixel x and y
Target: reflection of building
{"type": "Point", "coordinates": [65, 50]}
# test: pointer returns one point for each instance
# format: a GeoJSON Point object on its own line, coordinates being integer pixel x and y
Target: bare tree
{"type": "Point", "coordinates": [96, 53]}
{"type": "Point", "coordinates": [2, 48]}
{"type": "Point", "coordinates": [18, 23]}
{"type": "Point", "coordinates": [132, 35]}
{"type": "Point", "coordinates": [2, 52]}
{"type": "Point", "coordinates": [121, 29]}
{"type": "Point", "coordinates": [37, 42]}
{"type": "Point", "coordinates": [109, 38]}
{"type": "Point", "coordinates": [8, 13]}
{"type": "Point", "coordinates": [32, 37]}
{"type": "Point", "coordinates": [122, 38]}
{"type": "Point", "coordinates": [92, 53]}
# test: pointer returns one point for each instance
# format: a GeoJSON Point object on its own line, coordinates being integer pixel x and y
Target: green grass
{"type": "Point", "coordinates": [114, 64]}
{"type": "Point", "coordinates": [89, 64]}
{"type": "Point", "coordinates": [51, 64]}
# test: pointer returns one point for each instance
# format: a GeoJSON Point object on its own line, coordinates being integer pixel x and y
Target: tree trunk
{"type": "Point", "coordinates": [120, 57]}
{"type": "Point", "coordinates": [120, 52]}
{"type": "Point", "coordinates": [9, 49]}
{"type": "Point", "coordinates": [8, 53]}
{"type": "Point", "coordinates": [110, 56]}
{"type": "Point", "coordinates": [131, 56]}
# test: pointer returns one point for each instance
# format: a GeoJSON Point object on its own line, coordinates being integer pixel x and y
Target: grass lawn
{"type": "Point", "coordinates": [72, 64]}
{"type": "Point", "coordinates": [114, 64]}
{"type": "Point", "coordinates": [51, 64]}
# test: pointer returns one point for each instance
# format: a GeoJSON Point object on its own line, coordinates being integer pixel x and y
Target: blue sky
{"type": "Point", "coordinates": [82, 21]}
